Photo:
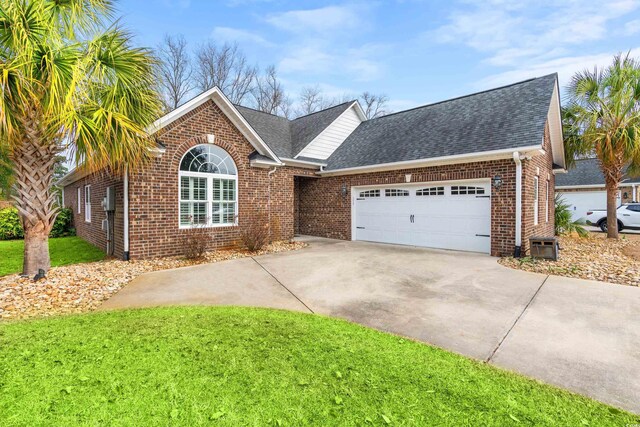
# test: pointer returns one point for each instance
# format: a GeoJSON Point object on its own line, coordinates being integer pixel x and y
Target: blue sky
{"type": "Point", "coordinates": [415, 51]}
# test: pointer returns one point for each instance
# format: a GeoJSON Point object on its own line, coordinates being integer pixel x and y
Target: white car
{"type": "Point", "coordinates": [628, 217]}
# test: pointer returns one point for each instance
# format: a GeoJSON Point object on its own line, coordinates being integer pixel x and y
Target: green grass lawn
{"type": "Point", "coordinates": [242, 366]}
{"type": "Point", "coordinates": [63, 251]}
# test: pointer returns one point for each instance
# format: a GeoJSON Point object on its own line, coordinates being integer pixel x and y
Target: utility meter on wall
{"type": "Point", "coordinates": [109, 201]}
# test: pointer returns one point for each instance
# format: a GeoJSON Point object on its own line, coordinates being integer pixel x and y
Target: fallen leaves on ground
{"type": "Point", "coordinates": [593, 258]}
{"type": "Point", "coordinates": [83, 287]}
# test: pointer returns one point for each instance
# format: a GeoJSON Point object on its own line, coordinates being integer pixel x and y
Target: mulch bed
{"type": "Point", "coordinates": [593, 258]}
{"type": "Point", "coordinates": [83, 287]}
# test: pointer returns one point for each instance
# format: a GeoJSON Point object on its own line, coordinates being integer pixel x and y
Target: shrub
{"type": "Point", "coordinates": [564, 225]}
{"type": "Point", "coordinates": [195, 241]}
{"type": "Point", "coordinates": [63, 226]}
{"type": "Point", "coordinates": [255, 234]}
{"type": "Point", "coordinates": [11, 227]}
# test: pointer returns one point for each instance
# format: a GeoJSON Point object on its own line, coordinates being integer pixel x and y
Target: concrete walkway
{"type": "Point", "coordinates": [577, 334]}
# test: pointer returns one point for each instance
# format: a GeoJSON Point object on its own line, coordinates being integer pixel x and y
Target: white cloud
{"type": "Point", "coordinates": [326, 41]}
{"type": "Point", "coordinates": [323, 20]}
{"type": "Point", "coordinates": [632, 27]}
{"type": "Point", "coordinates": [179, 4]}
{"type": "Point", "coordinates": [315, 57]}
{"type": "Point", "coordinates": [534, 38]}
{"type": "Point", "coordinates": [512, 33]}
{"type": "Point", "coordinates": [395, 105]}
{"type": "Point", "coordinates": [565, 67]}
{"type": "Point", "coordinates": [237, 35]}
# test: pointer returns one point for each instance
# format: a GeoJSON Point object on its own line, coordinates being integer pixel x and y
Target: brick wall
{"type": "Point", "coordinates": [92, 231]}
{"type": "Point", "coordinates": [541, 167]}
{"type": "Point", "coordinates": [153, 192]}
{"type": "Point", "coordinates": [325, 212]}
{"type": "Point", "coordinates": [312, 205]}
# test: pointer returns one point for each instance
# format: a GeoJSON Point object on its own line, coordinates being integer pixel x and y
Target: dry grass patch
{"type": "Point", "coordinates": [83, 287]}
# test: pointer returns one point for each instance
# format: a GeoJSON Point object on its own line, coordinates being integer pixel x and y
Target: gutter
{"type": "Point", "coordinates": [458, 158]}
{"type": "Point", "coordinates": [517, 253]}
{"type": "Point", "coordinates": [302, 163]}
{"type": "Point", "coordinates": [271, 172]}
{"type": "Point", "coordinates": [125, 186]}
{"type": "Point", "coordinates": [265, 163]}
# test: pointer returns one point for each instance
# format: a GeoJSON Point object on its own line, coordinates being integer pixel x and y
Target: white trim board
{"type": "Point", "coordinates": [445, 160]}
{"type": "Point", "coordinates": [214, 94]}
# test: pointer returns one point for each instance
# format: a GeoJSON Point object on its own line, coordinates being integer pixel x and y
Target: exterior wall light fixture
{"type": "Point", "coordinates": [497, 182]}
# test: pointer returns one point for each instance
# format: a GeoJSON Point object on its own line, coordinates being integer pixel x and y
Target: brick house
{"type": "Point", "coordinates": [583, 188]}
{"type": "Point", "coordinates": [474, 173]}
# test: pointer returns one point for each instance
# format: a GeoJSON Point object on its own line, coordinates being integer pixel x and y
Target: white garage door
{"type": "Point", "coordinates": [582, 201]}
{"type": "Point", "coordinates": [447, 216]}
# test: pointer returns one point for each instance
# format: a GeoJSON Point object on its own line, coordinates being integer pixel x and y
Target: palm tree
{"type": "Point", "coordinates": [69, 80]}
{"type": "Point", "coordinates": [603, 118]}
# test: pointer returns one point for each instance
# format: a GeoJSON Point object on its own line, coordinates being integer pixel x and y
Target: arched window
{"type": "Point", "coordinates": [208, 187]}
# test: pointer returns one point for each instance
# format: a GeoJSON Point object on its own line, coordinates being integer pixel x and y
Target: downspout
{"type": "Point", "coordinates": [125, 185]}
{"type": "Point", "coordinates": [271, 172]}
{"type": "Point", "coordinates": [518, 238]}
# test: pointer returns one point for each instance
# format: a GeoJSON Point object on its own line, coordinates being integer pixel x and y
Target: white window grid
{"type": "Point", "coordinates": [459, 190]}
{"type": "Point", "coordinates": [432, 191]}
{"type": "Point", "coordinates": [208, 188]}
{"type": "Point", "coordinates": [395, 192]}
{"type": "Point", "coordinates": [370, 193]}
{"type": "Point", "coordinates": [546, 208]}
{"type": "Point", "coordinates": [87, 203]}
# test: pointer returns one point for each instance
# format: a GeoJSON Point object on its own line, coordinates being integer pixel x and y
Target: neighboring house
{"type": "Point", "coordinates": [474, 173]}
{"type": "Point", "coordinates": [583, 188]}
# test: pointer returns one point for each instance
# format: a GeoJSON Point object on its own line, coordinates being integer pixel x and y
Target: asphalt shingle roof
{"type": "Point", "coordinates": [274, 130]}
{"type": "Point", "coordinates": [586, 172]}
{"type": "Point", "coordinates": [288, 137]}
{"type": "Point", "coordinates": [508, 117]}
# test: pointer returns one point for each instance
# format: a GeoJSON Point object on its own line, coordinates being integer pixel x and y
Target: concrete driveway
{"type": "Point", "coordinates": [577, 334]}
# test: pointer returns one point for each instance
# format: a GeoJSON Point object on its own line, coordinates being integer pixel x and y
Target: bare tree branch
{"type": "Point", "coordinates": [374, 105]}
{"type": "Point", "coordinates": [224, 66]}
{"type": "Point", "coordinates": [269, 95]}
{"type": "Point", "coordinates": [310, 100]}
{"type": "Point", "coordinates": [174, 69]}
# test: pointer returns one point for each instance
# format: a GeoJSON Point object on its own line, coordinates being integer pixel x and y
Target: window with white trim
{"type": "Point", "coordinates": [546, 208]}
{"type": "Point", "coordinates": [370, 193]}
{"type": "Point", "coordinates": [395, 192]}
{"type": "Point", "coordinates": [432, 191]}
{"type": "Point", "coordinates": [458, 190]}
{"type": "Point", "coordinates": [79, 200]}
{"type": "Point", "coordinates": [535, 200]}
{"type": "Point", "coordinates": [208, 187]}
{"type": "Point", "coordinates": [87, 203]}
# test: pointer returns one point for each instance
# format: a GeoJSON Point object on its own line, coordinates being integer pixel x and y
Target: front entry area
{"type": "Point", "coordinates": [451, 215]}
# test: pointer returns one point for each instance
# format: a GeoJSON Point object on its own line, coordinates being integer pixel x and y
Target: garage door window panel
{"type": "Point", "coordinates": [395, 192]}
{"type": "Point", "coordinates": [431, 191]}
{"type": "Point", "coordinates": [460, 190]}
{"type": "Point", "coordinates": [369, 194]}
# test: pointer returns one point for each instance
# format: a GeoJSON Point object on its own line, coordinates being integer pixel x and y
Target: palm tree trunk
{"type": "Point", "coordinates": [34, 164]}
{"type": "Point", "coordinates": [612, 207]}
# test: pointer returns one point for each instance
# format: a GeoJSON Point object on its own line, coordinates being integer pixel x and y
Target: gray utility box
{"type": "Point", "coordinates": [544, 247]}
